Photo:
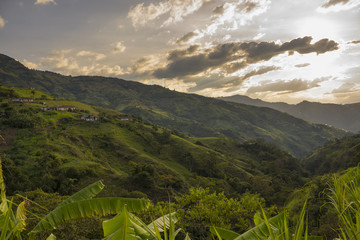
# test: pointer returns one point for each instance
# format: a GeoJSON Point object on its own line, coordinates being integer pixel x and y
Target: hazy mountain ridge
{"type": "Point", "coordinates": [345, 116]}
{"type": "Point", "coordinates": [190, 113]}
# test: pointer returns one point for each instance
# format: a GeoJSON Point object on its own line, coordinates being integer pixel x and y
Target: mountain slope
{"type": "Point", "coordinates": [58, 151]}
{"type": "Point", "coordinates": [345, 116]}
{"type": "Point", "coordinates": [336, 155]}
{"type": "Point", "coordinates": [193, 114]}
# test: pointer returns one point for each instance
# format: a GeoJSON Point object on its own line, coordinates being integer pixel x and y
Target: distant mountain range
{"type": "Point", "coordinates": [193, 114]}
{"type": "Point", "coordinates": [340, 116]}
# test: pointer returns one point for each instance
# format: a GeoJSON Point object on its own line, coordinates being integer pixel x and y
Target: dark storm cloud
{"type": "Point", "coordinates": [187, 37]}
{"type": "Point", "coordinates": [334, 2]}
{"type": "Point", "coordinates": [244, 52]}
{"type": "Point", "coordinates": [259, 71]}
{"type": "Point", "coordinates": [303, 46]}
{"type": "Point", "coordinates": [176, 54]}
{"type": "Point", "coordinates": [295, 85]}
{"type": "Point", "coordinates": [233, 67]}
{"type": "Point", "coordinates": [238, 80]}
{"type": "Point", "coordinates": [219, 81]}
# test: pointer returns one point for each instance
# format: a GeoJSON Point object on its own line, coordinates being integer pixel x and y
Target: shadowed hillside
{"type": "Point", "coordinates": [336, 155]}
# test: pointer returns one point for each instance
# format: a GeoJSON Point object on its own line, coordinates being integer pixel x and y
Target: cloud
{"type": "Point", "coordinates": [2, 22]}
{"type": "Point", "coordinates": [349, 90]}
{"type": "Point", "coordinates": [234, 14]}
{"type": "Point", "coordinates": [69, 63]}
{"type": "Point", "coordinates": [355, 42]}
{"type": "Point", "coordinates": [29, 64]}
{"type": "Point", "coordinates": [295, 85]}
{"type": "Point", "coordinates": [234, 67]}
{"type": "Point", "coordinates": [302, 65]}
{"type": "Point", "coordinates": [346, 88]}
{"type": "Point", "coordinates": [213, 81]}
{"type": "Point", "coordinates": [119, 47]}
{"type": "Point", "coordinates": [338, 5]}
{"type": "Point", "coordinates": [91, 55]}
{"type": "Point", "coordinates": [219, 10]}
{"type": "Point", "coordinates": [58, 61]}
{"type": "Point", "coordinates": [330, 3]}
{"type": "Point", "coordinates": [218, 82]}
{"type": "Point", "coordinates": [140, 15]}
{"type": "Point", "coordinates": [176, 54]}
{"type": "Point", "coordinates": [236, 55]}
{"type": "Point", "coordinates": [145, 65]}
{"type": "Point", "coordinates": [44, 2]}
{"type": "Point", "coordinates": [186, 38]}
{"type": "Point", "coordinates": [259, 71]}
{"type": "Point", "coordinates": [239, 80]}
{"type": "Point", "coordinates": [259, 36]}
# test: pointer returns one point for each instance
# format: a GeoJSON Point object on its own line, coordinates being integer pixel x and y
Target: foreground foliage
{"type": "Point", "coordinates": [345, 198]}
{"type": "Point", "coordinates": [275, 228]}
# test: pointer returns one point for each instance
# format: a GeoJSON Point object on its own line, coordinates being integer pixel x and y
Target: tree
{"type": "Point", "coordinates": [33, 93]}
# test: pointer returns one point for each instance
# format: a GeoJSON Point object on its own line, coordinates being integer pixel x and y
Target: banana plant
{"type": "Point", "coordinates": [124, 226]}
{"type": "Point", "coordinates": [345, 198]}
{"type": "Point", "coordinates": [83, 205]}
{"type": "Point", "coordinates": [127, 226]}
{"type": "Point", "coordinates": [11, 224]}
{"type": "Point", "coordinates": [275, 228]}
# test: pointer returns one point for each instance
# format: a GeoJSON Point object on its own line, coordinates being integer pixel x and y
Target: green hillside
{"type": "Point", "coordinates": [336, 155]}
{"type": "Point", "coordinates": [58, 151]}
{"type": "Point", "coordinates": [189, 113]}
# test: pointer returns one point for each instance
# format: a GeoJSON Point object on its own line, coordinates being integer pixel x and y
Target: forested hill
{"type": "Point", "coordinates": [345, 116]}
{"type": "Point", "coordinates": [339, 154]}
{"type": "Point", "coordinates": [62, 150]}
{"type": "Point", "coordinates": [189, 113]}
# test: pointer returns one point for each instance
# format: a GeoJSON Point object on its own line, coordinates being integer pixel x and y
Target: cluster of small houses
{"type": "Point", "coordinates": [88, 118]}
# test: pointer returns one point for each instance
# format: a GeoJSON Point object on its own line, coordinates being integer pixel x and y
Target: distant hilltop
{"type": "Point", "coordinates": [345, 116]}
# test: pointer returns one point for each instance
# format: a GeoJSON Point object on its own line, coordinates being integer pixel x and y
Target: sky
{"type": "Point", "coordinates": [275, 50]}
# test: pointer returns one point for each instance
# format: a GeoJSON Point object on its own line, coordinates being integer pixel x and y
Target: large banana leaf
{"type": "Point", "coordinates": [51, 237]}
{"type": "Point", "coordinates": [86, 193]}
{"type": "Point", "coordinates": [255, 233]}
{"type": "Point", "coordinates": [127, 226]}
{"type": "Point", "coordinates": [164, 222]}
{"type": "Point", "coordinates": [88, 208]}
{"type": "Point", "coordinates": [261, 231]}
{"type": "Point", "coordinates": [21, 216]}
{"type": "Point", "coordinates": [223, 233]}
{"type": "Point", "coordinates": [120, 227]}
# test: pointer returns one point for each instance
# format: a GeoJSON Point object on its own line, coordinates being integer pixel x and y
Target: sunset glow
{"type": "Point", "coordinates": [275, 50]}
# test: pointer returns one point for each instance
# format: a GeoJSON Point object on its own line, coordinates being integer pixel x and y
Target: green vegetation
{"type": "Point", "coordinates": [57, 151]}
{"type": "Point", "coordinates": [188, 113]}
{"type": "Point", "coordinates": [51, 152]}
{"type": "Point", "coordinates": [339, 154]}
